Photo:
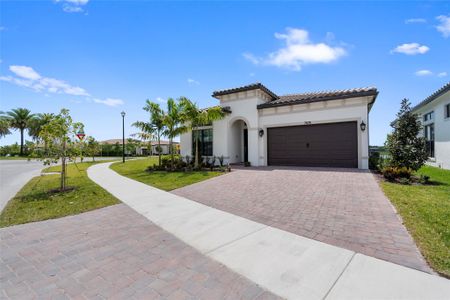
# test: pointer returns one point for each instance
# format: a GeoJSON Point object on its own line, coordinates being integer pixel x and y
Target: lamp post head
{"type": "Point", "coordinates": [123, 114]}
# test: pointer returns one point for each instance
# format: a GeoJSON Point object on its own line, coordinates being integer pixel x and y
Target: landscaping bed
{"type": "Point", "coordinates": [40, 199]}
{"type": "Point", "coordinates": [425, 209]}
{"type": "Point", "coordinates": [166, 180]}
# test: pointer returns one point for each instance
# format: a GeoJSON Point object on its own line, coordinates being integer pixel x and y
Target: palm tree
{"type": "Point", "coordinates": [36, 124]}
{"type": "Point", "coordinates": [155, 126]}
{"type": "Point", "coordinates": [195, 117]}
{"type": "Point", "coordinates": [4, 125]}
{"type": "Point", "coordinates": [174, 125]}
{"type": "Point", "coordinates": [20, 119]}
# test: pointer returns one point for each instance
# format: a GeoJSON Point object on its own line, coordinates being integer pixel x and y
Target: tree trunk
{"type": "Point", "coordinates": [21, 141]}
{"type": "Point", "coordinates": [63, 167]}
{"type": "Point", "coordinates": [171, 154]}
{"type": "Point", "coordinates": [159, 149]}
{"type": "Point", "coordinates": [196, 153]}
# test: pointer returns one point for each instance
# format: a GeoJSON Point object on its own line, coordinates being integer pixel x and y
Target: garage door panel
{"type": "Point", "coordinates": [324, 145]}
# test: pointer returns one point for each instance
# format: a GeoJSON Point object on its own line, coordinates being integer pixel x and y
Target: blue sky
{"type": "Point", "coordinates": [98, 58]}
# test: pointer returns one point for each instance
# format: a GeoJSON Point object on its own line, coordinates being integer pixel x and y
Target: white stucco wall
{"type": "Point", "coordinates": [227, 135]}
{"type": "Point", "coordinates": [441, 130]}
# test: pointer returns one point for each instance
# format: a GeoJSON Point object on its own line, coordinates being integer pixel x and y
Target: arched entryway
{"type": "Point", "coordinates": [238, 142]}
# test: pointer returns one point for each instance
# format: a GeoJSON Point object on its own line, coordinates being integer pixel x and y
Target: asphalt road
{"type": "Point", "coordinates": [14, 174]}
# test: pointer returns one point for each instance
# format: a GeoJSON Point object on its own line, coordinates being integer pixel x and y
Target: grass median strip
{"type": "Point", "coordinates": [167, 181]}
{"type": "Point", "coordinates": [425, 210]}
{"type": "Point", "coordinates": [38, 200]}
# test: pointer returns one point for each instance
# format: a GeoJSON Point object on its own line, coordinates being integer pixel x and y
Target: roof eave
{"type": "Point", "coordinates": [432, 97]}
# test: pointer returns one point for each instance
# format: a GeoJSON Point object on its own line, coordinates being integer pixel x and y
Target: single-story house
{"type": "Point", "coordinates": [142, 148]}
{"type": "Point", "coordinates": [165, 147]}
{"type": "Point", "coordinates": [319, 129]}
{"type": "Point", "coordinates": [434, 113]}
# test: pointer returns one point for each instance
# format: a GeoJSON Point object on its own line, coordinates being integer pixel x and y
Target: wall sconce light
{"type": "Point", "coordinates": [362, 126]}
{"type": "Point", "coordinates": [261, 132]}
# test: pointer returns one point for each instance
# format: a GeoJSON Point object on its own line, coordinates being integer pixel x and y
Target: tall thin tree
{"type": "Point", "coordinates": [20, 119]}
{"type": "Point", "coordinates": [173, 125]}
{"type": "Point", "coordinates": [155, 125]}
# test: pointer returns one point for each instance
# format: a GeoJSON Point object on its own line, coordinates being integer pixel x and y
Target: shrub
{"type": "Point", "coordinates": [374, 160]}
{"type": "Point", "coordinates": [393, 173]}
{"type": "Point", "coordinates": [247, 164]}
{"type": "Point", "coordinates": [404, 181]}
{"type": "Point", "coordinates": [221, 159]}
{"type": "Point", "coordinates": [406, 147]}
{"type": "Point", "coordinates": [424, 179]}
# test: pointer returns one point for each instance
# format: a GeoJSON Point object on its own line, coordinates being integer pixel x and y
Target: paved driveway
{"type": "Point", "coordinates": [111, 252]}
{"type": "Point", "coordinates": [342, 207]}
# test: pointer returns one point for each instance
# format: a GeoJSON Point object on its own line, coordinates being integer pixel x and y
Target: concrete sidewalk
{"type": "Point", "coordinates": [286, 264]}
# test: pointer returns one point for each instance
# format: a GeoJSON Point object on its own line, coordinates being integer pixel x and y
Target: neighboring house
{"type": "Point", "coordinates": [143, 149]}
{"type": "Point", "coordinates": [165, 147]}
{"type": "Point", "coordinates": [434, 112]}
{"type": "Point", "coordinates": [320, 129]}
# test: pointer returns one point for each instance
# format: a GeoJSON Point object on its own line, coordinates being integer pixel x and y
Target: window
{"type": "Point", "coordinates": [447, 111]}
{"type": "Point", "coordinates": [205, 142]}
{"type": "Point", "coordinates": [428, 116]}
{"type": "Point", "coordinates": [429, 136]}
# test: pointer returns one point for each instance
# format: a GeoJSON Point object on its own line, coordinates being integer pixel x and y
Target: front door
{"type": "Point", "coordinates": [245, 145]}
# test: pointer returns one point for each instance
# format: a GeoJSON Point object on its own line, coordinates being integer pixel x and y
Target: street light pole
{"type": "Point", "coordinates": [123, 136]}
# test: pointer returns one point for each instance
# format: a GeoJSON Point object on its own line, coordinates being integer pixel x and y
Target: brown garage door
{"type": "Point", "coordinates": [319, 145]}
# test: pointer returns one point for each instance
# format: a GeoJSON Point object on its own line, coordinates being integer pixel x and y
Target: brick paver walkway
{"type": "Point", "coordinates": [342, 207]}
{"type": "Point", "coordinates": [110, 253]}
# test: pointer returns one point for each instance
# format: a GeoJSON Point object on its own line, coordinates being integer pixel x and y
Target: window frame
{"type": "Point", "coordinates": [205, 147]}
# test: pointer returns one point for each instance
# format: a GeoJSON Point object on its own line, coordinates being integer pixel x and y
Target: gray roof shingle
{"type": "Point", "coordinates": [253, 86]}
{"type": "Point", "coordinates": [320, 96]}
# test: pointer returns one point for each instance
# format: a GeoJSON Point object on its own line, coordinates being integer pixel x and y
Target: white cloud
{"type": "Point", "coordinates": [193, 81]}
{"type": "Point", "coordinates": [72, 6]}
{"type": "Point", "coordinates": [110, 101]}
{"type": "Point", "coordinates": [250, 57]}
{"type": "Point", "coordinates": [297, 51]}
{"type": "Point", "coordinates": [25, 72]}
{"type": "Point", "coordinates": [415, 20]}
{"type": "Point", "coordinates": [430, 73]}
{"type": "Point", "coordinates": [29, 78]}
{"type": "Point", "coordinates": [72, 9]}
{"type": "Point", "coordinates": [423, 73]}
{"type": "Point", "coordinates": [411, 49]}
{"type": "Point", "coordinates": [444, 26]}
{"type": "Point", "coordinates": [160, 100]}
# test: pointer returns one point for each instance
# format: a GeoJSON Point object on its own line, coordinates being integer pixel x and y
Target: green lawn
{"type": "Point", "coordinates": [426, 213]}
{"type": "Point", "coordinates": [14, 157]}
{"type": "Point", "coordinates": [36, 201]}
{"type": "Point", "coordinates": [167, 181]}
